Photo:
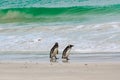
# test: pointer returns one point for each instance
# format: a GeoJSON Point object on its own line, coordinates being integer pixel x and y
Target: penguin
{"type": "Point", "coordinates": [54, 51]}
{"type": "Point", "coordinates": [66, 52]}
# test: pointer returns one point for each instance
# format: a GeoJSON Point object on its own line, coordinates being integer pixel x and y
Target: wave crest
{"type": "Point", "coordinates": [81, 13]}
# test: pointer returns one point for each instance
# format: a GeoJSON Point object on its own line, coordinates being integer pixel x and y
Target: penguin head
{"type": "Point", "coordinates": [71, 46]}
{"type": "Point", "coordinates": [56, 44]}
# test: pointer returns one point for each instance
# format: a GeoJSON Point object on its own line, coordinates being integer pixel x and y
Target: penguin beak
{"type": "Point", "coordinates": [72, 45]}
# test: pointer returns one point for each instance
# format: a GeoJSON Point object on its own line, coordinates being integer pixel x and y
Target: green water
{"type": "Point", "coordinates": [60, 14]}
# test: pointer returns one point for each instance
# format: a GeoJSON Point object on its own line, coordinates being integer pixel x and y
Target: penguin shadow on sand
{"type": "Point", "coordinates": [65, 53]}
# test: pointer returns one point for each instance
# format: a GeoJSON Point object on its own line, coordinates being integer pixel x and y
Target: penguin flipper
{"type": "Point", "coordinates": [63, 56]}
{"type": "Point", "coordinates": [57, 51]}
{"type": "Point", "coordinates": [50, 54]}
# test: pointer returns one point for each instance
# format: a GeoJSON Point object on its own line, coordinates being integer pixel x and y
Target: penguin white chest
{"type": "Point", "coordinates": [55, 51]}
{"type": "Point", "coordinates": [68, 52]}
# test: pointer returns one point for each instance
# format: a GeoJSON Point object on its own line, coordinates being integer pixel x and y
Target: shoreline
{"type": "Point", "coordinates": [43, 57]}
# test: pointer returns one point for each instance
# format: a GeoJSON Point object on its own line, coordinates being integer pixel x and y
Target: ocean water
{"type": "Point", "coordinates": [35, 25]}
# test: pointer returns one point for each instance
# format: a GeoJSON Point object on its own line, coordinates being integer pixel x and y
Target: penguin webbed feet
{"type": "Point", "coordinates": [56, 57]}
{"type": "Point", "coordinates": [65, 58]}
{"type": "Point", "coordinates": [53, 59]}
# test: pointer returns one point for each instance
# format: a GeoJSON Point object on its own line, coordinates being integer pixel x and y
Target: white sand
{"type": "Point", "coordinates": [59, 71]}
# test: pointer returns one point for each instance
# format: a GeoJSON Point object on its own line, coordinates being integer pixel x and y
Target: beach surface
{"type": "Point", "coordinates": [60, 71]}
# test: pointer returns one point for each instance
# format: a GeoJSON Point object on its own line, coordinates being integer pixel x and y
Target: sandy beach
{"type": "Point", "coordinates": [59, 71]}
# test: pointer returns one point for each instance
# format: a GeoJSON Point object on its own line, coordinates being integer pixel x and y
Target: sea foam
{"type": "Point", "coordinates": [89, 37]}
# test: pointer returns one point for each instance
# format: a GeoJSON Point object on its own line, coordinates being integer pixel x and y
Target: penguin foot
{"type": "Point", "coordinates": [56, 58]}
{"type": "Point", "coordinates": [67, 59]}
{"type": "Point", "coordinates": [63, 57]}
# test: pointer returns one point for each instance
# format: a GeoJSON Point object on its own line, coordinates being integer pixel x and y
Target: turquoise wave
{"type": "Point", "coordinates": [43, 14]}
